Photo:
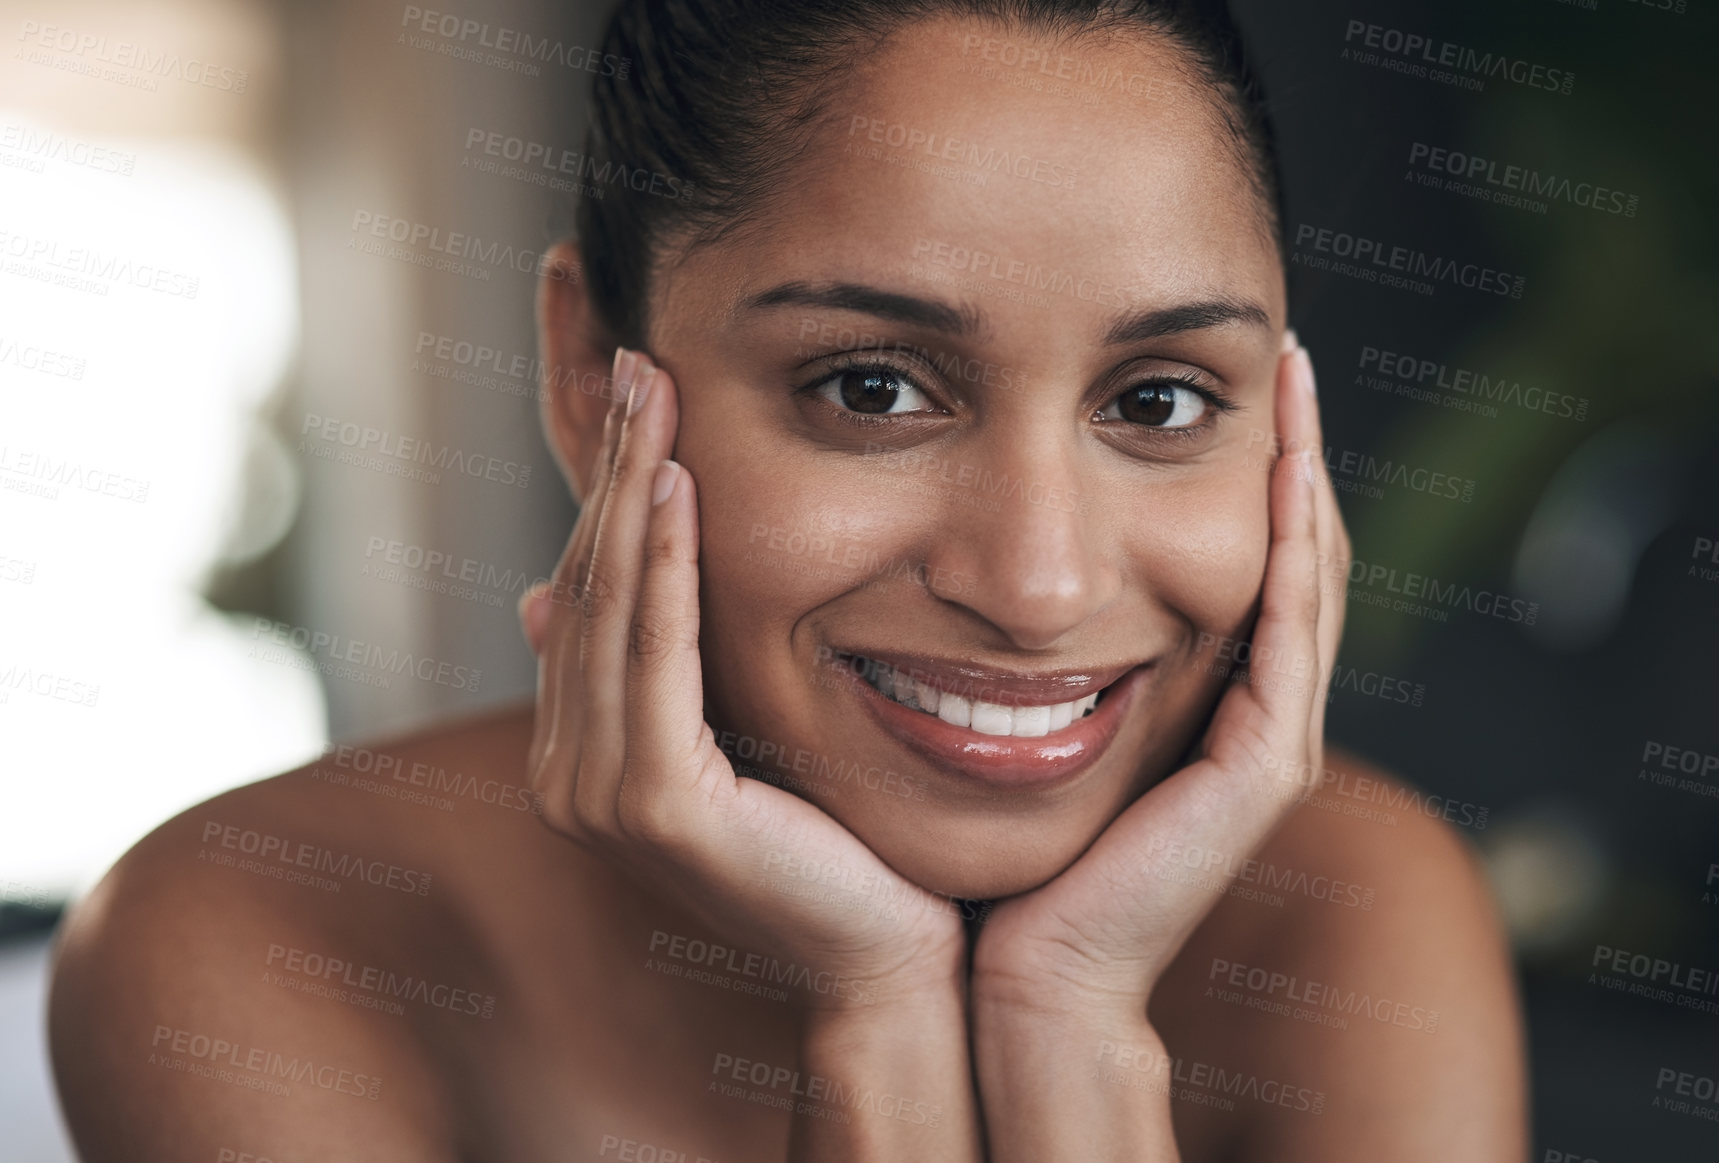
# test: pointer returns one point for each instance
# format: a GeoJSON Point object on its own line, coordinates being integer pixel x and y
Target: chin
{"type": "Point", "coordinates": [978, 868]}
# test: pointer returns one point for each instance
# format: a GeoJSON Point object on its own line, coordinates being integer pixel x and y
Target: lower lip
{"type": "Point", "coordinates": [1006, 760]}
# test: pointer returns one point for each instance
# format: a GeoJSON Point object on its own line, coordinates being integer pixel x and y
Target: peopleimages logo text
{"type": "Point", "coordinates": [126, 55]}
{"type": "Point", "coordinates": [1407, 260]}
{"type": "Point", "coordinates": [384, 446]}
{"type": "Point", "coordinates": [1424, 54]}
{"type": "Point", "coordinates": [511, 42]}
{"type": "Point", "coordinates": [1520, 179]}
{"type": "Point", "coordinates": [1497, 388]}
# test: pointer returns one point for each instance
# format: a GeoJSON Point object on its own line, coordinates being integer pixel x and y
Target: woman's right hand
{"type": "Point", "coordinates": [628, 768]}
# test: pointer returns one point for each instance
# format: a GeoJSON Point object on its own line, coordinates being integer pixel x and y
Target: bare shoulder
{"type": "Point", "coordinates": [1360, 961]}
{"type": "Point", "coordinates": [253, 977]}
{"type": "Point", "coordinates": [1403, 863]}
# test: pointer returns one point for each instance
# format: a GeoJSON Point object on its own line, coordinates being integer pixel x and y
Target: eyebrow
{"type": "Point", "coordinates": [967, 320]}
{"type": "Point", "coordinates": [909, 309]}
{"type": "Point", "coordinates": [1186, 317]}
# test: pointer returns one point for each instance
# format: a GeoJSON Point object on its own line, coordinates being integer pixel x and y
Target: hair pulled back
{"type": "Point", "coordinates": [719, 96]}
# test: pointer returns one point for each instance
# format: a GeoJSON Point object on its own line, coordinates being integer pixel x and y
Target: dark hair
{"type": "Point", "coordinates": [717, 93]}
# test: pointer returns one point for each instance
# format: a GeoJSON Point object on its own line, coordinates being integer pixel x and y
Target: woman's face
{"type": "Point", "coordinates": [985, 395]}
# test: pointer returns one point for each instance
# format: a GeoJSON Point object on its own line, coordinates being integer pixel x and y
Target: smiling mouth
{"type": "Point", "coordinates": [932, 695]}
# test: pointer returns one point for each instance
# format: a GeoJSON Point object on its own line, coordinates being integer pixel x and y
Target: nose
{"type": "Point", "coordinates": [1019, 531]}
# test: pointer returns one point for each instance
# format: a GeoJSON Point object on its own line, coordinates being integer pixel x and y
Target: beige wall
{"type": "Point", "coordinates": [376, 126]}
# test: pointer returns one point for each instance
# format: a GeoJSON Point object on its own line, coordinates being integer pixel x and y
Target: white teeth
{"type": "Point", "coordinates": [976, 715]}
{"type": "Point", "coordinates": [990, 719]}
{"type": "Point", "coordinates": [1031, 722]}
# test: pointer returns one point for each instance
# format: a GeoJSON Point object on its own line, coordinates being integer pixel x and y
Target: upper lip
{"type": "Point", "coordinates": [992, 685]}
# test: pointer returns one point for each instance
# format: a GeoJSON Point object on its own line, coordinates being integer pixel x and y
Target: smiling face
{"type": "Point", "coordinates": [981, 396]}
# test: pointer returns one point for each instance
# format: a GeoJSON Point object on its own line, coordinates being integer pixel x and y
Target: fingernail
{"type": "Point", "coordinates": [626, 364]}
{"type": "Point", "coordinates": [644, 375]}
{"type": "Point", "coordinates": [1290, 342]}
{"type": "Point", "coordinates": [668, 472]}
{"type": "Point", "coordinates": [1304, 368]}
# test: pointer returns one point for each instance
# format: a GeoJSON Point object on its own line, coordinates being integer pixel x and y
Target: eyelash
{"type": "Point", "coordinates": [859, 419]}
{"type": "Point", "coordinates": [1216, 401]}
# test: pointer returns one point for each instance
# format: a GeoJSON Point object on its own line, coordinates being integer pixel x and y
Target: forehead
{"type": "Point", "coordinates": [1027, 175]}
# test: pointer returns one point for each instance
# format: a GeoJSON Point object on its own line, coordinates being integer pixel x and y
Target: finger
{"type": "Point", "coordinates": [1221, 808]}
{"type": "Point", "coordinates": [575, 561]}
{"type": "Point", "coordinates": [1333, 556]}
{"type": "Point", "coordinates": [611, 590]}
{"type": "Point", "coordinates": [1261, 721]}
{"type": "Point", "coordinates": [1284, 655]}
{"type": "Point", "coordinates": [1332, 538]}
{"type": "Point", "coordinates": [561, 711]}
{"type": "Point", "coordinates": [667, 744]}
{"type": "Point", "coordinates": [575, 566]}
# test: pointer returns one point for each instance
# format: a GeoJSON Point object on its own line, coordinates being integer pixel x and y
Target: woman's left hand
{"type": "Point", "coordinates": [1095, 940]}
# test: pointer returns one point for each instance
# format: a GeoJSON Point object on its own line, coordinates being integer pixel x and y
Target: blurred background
{"type": "Point", "coordinates": [220, 227]}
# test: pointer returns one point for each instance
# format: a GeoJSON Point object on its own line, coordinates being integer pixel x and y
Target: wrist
{"type": "Point", "coordinates": [895, 1000]}
{"type": "Point", "coordinates": [1073, 1085]}
{"type": "Point", "coordinates": [927, 980]}
{"type": "Point", "coordinates": [899, 1067]}
{"type": "Point", "coordinates": [1064, 1022]}
{"type": "Point", "coordinates": [1020, 971]}
{"type": "Point", "coordinates": [1058, 999]}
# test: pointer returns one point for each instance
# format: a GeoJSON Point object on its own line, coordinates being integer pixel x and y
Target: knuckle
{"type": "Point", "coordinates": [558, 815]}
{"type": "Point", "coordinates": [558, 804]}
{"type": "Point", "coordinates": [596, 596]}
{"type": "Point", "coordinates": [661, 551]}
{"type": "Point", "coordinates": [645, 818]}
{"type": "Point", "coordinates": [584, 830]}
{"type": "Point", "coordinates": [593, 820]}
{"type": "Point", "coordinates": [1311, 601]}
{"type": "Point", "coordinates": [652, 639]}
{"type": "Point", "coordinates": [556, 798]}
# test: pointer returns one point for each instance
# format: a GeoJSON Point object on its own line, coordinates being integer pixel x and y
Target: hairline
{"type": "Point", "coordinates": [812, 111]}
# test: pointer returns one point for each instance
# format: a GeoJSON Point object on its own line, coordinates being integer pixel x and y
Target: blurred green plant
{"type": "Point", "coordinates": [1623, 311]}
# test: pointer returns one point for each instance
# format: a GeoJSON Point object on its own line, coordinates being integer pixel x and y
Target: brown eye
{"type": "Point", "coordinates": [874, 391]}
{"type": "Point", "coordinates": [1158, 406]}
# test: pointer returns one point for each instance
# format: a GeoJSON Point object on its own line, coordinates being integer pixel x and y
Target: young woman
{"type": "Point", "coordinates": [926, 690]}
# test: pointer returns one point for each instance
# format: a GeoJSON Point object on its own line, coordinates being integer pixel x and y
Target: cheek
{"type": "Point", "coordinates": [1204, 556]}
{"type": "Point", "coordinates": [762, 551]}
{"type": "Point", "coordinates": [781, 534]}
{"type": "Point", "coordinates": [747, 509]}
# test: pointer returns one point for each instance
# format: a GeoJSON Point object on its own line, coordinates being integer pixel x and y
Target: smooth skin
{"type": "Point", "coordinates": [622, 746]}
{"type": "Point", "coordinates": [1090, 1015]}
